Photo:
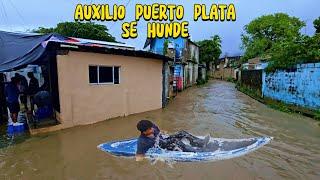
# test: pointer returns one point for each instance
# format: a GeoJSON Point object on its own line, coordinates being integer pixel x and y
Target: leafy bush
{"type": "Point", "coordinates": [317, 115]}
{"type": "Point", "coordinates": [230, 79]}
{"type": "Point", "coordinates": [287, 54]}
{"type": "Point", "coordinates": [278, 38]}
{"type": "Point", "coordinates": [280, 106]}
{"type": "Point", "coordinates": [201, 81]}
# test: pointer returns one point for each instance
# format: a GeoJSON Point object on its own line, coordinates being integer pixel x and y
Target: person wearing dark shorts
{"type": "Point", "coordinates": [150, 132]}
{"type": "Point", "coordinates": [23, 87]}
{"type": "Point", "coordinates": [12, 98]}
{"type": "Point", "coordinates": [14, 107]}
{"type": "Point", "coordinates": [33, 88]}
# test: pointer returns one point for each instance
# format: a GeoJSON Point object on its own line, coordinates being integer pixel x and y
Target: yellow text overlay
{"type": "Point", "coordinates": [167, 19]}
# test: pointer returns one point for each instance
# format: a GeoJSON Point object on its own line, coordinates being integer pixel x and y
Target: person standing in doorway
{"type": "Point", "coordinates": [12, 98]}
{"type": "Point", "coordinates": [33, 88]}
{"type": "Point", "coordinates": [23, 87]}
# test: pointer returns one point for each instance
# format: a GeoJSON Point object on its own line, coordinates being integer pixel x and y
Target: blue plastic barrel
{"type": "Point", "coordinates": [16, 128]}
{"type": "Point", "coordinates": [10, 129]}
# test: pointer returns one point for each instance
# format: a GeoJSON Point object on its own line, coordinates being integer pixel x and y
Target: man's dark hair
{"type": "Point", "coordinates": [143, 125]}
{"type": "Point", "coordinates": [30, 74]}
{"type": "Point", "coordinates": [14, 80]}
{"type": "Point", "coordinates": [18, 76]}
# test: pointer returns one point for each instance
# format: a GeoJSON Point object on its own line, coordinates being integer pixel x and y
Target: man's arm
{"type": "Point", "coordinates": [139, 157]}
{"type": "Point", "coordinates": [142, 148]}
{"type": "Point", "coordinates": [37, 84]}
{"type": "Point", "coordinates": [157, 130]}
{"type": "Point", "coordinates": [6, 91]}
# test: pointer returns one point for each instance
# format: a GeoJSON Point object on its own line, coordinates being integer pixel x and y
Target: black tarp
{"type": "Point", "coordinates": [18, 50]}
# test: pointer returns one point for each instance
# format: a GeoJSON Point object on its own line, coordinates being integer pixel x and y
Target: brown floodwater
{"type": "Point", "coordinates": [217, 109]}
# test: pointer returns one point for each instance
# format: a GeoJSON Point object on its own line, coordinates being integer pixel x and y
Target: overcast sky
{"type": "Point", "coordinates": [21, 15]}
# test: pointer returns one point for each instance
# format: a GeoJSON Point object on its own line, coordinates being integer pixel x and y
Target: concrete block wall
{"type": "Point", "coordinates": [300, 86]}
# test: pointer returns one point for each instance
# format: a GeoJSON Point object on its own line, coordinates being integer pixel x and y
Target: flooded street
{"type": "Point", "coordinates": [217, 109]}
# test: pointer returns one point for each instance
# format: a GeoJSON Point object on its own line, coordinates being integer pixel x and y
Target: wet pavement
{"type": "Point", "coordinates": [217, 109]}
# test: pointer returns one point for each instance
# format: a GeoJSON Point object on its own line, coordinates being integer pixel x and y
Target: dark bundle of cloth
{"type": "Point", "coordinates": [42, 98]}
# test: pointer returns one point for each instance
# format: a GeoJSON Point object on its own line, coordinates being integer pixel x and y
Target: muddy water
{"type": "Point", "coordinates": [217, 109]}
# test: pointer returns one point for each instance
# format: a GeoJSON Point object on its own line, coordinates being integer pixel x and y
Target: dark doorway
{"type": "Point", "coordinates": [3, 107]}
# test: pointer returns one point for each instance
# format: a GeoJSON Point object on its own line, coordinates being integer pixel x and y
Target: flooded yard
{"type": "Point", "coordinates": [217, 109]}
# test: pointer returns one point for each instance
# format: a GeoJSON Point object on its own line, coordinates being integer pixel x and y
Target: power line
{"type": "Point", "coordinates": [111, 27]}
{"type": "Point", "coordinates": [5, 16]}
{"type": "Point", "coordinates": [79, 26]}
{"type": "Point", "coordinates": [19, 14]}
{"type": "Point", "coordinates": [128, 2]}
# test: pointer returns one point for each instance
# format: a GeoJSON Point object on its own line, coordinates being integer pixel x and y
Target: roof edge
{"type": "Point", "coordinates": [105, 50]}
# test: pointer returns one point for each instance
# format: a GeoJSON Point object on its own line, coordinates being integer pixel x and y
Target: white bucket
{"type": "Point", "coordinates": [10, 122]}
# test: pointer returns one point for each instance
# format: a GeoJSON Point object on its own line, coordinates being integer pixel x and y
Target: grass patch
{"type": "Point", "coordinates": [278, 105]}
{"type": "Point", "coordinates": [253, 93]}
{"type": "Point", "coordinates": [229, 79]}
{"type": "Point", "coordinates": [201, 82]}
{"type": "Point", "coordinates": [317, 115]}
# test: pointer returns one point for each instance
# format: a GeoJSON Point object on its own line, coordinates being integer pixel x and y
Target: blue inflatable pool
{"type": "Point", "coordinates": [217, 149]}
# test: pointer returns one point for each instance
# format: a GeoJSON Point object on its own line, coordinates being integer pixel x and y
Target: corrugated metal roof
{"type": "Point", "coordinates": [106, 50]}
{"type": "Point", "coordinates": [107, 44]}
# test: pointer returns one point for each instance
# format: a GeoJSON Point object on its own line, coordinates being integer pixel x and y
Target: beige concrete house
{"type": "Point", "coordinates": [83, 81]}
{"type": "Point", "coordinates": [99, 83]}
{"type": "Point", "coordinates": [131, 85]}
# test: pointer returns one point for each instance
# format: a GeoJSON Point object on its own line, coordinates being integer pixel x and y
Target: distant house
{"type": "Point", "coordinates": [90, 81]}
{"type": "Point", "coordinates": [186, 59]}
{"type": "Point", "coordinates": [228, 67]}
{"type": "Point", "coordinates": [255, 64]}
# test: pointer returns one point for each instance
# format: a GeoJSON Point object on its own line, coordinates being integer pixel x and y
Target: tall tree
{"type": "Point", "coordinates": [316, 24]}
{"type": "Point", "coordinates": [210, 50]}
{"type": "Point", "coordinates": [87, 30]}
{"type": "Point", "coordinates": [262, 33]}
{"type": "Point", "coordinates": [287, 54]}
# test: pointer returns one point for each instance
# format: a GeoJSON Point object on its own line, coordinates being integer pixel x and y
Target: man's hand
{"type": "Point", "coordinates": [164, 132]}
{"type": "Point", "coordinates": [139, 157]}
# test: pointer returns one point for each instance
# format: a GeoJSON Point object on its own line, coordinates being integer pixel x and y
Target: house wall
{"type": "Point", "coordinates": [140, 87]}
{"type": "Point", "coordinates": [195, 73]}
{"type": "Point", "coordinates": [298, 86]}
{"type": "Point", "coordinates": [185, 75]}
{"type": "Point", "coordinates": [184, 51]}
{"type": "Point", "coordinates": [223, 73]}
{"type": "Point", "coordinates": [188, 74]}
{"type": "Point", "coordinates": [202, 72]}
{"type": "Point", "coordinates": [194, 52]}
{"type": "Point", "coordinates": [165, 83]}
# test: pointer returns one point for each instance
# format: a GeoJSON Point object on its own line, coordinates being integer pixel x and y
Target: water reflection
{"type": "Point", "coordinates": [217, 109]}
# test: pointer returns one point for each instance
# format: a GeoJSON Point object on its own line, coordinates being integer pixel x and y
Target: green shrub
{"type": "Point", "coordinates": [280, 106]}
{"type": "Point", "coordinates": [201, 81]}
{"type": "Point", "coordinates": [230, 79]}
{"type": "Point", "coordinates": [317, 115]}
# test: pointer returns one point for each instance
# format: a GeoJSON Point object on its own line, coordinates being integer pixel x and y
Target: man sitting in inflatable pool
{"type": "Point", "coordinates": [150, 133]}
